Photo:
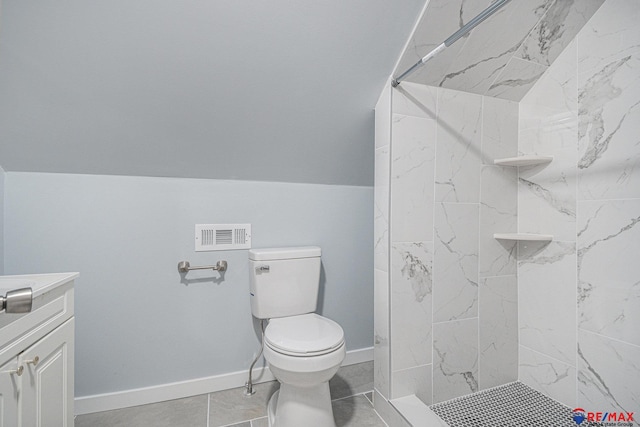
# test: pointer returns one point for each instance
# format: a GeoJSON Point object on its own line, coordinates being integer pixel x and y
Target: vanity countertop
{"type": "Point", "coordinates": [40, 284]}
{"type": "Point", "coordinates": [52, 305]}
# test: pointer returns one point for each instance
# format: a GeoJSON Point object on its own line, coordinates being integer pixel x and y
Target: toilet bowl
{"type": "Point", "coordinates": [303, 349]}
{"type": "Point", "coordinates": [304, 352]}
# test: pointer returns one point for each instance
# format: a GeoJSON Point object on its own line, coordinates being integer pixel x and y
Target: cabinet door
{"type": "Point", "coordinates": [9, 391]}
{"type": "Point", "coordinates": [47, 381]}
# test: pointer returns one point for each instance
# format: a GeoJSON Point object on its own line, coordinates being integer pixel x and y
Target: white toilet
{"type": "Point", "coordinates": [304, 350]}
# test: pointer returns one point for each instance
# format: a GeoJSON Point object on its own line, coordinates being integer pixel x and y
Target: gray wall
{"type": "Point", "coordinates": [137, 324]}
{"type": "Point", "coordinates": [263, 91]}
{"type": "Point", "coordinates": [2, 175]}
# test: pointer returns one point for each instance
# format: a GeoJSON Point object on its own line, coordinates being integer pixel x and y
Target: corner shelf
{"type": "Point", "coordinates": [524, 236]}
{"type": "Point", "coordinates": [528, 160]}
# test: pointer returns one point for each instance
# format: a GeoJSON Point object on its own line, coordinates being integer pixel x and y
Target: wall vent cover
{"type": "Point", "coordinates": [222, 237]}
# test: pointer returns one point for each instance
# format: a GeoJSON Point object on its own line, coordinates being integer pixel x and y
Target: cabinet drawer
{"type": "Point", "coordinates": [28, 329]}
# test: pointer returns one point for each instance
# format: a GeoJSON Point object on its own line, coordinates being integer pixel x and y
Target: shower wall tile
{"type": "Point", "coordinates": [557, 88]}
{"type": "Point", "coordinates": [498, 352]}
{"type": "Point", "coordinates": [381, 209]}
{"type": "Point", "coordinates": [382, 180]}
{"type": "Point", "coordinates": [608, 268]}
{"type": "Point", "coordinates": [546, 132]}
{"type": "Point", "coordinates": [411, 304]}
{"type": "Point", "coordinates": [455, 359]}
{"type": "Point", "coordinates": [609, 124]}
{"type": "Point", "coordinates": [383, 118]}
{"type": "Point", "coordinates": [544, 125]}
{"type": "Point", "coordinates": [557, 28]}
{"type": "Point", "coordinates": [611, 34]}
{"type": "Point", "coordinates": [499, 129]}
{"type": "Point", "coordinates": [443, 18]}
{"type": "Point", "coordinates": [413, 381]}
{"type": "Point", "coordinates": [498, 209]}
{"type": "Point", "coordinates": [458, 146]}
{"type": "Point", "coordinates": [549, 376]}
{"type": "Point", "coordinates": [412, 166]}
{"type": "Point", "coordinates": [455, 294]}
{"type": "Point", "coordinates": [608, 374]}
{"type": "Point", "coordinates": [489, 49]}
{"type": "Point", "coordinates": [547, 293]}
{"type": "Point", "coordinates": [411, 99]}
{"type": "Point", "coordinates": [381, 349]}
{"type": "Point", "coordinates": [387, 412]}
{"type": "Point", "coordinates": [515, 79]}
{"type": "Point", "coordinates": [504, 55]}
{"type": "Point", "coordinates": [547, 196]}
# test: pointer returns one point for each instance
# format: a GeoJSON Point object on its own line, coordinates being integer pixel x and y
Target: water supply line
{"type": "Point", "coordinates": [249, 391]}
{"type": "Point", "coordinates": [463, 31]}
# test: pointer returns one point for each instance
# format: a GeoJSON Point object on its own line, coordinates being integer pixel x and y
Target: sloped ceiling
{"type": "Point", "coordinates": [505, 55]}
{"type": "Point", "coordinates": [243, 89]}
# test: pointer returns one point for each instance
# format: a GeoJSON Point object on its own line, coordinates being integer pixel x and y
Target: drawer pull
{"type": "Point", "coordinates": [17, 372]}
{"type": "Point", "coordinates": [33, 361]}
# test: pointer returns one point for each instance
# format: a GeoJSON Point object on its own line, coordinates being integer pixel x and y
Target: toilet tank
{"type": "Point", "coordinates": [284, 281]}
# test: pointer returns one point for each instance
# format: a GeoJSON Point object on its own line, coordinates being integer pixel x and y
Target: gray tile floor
{"type": "Point", "coordinates": [350, 389]}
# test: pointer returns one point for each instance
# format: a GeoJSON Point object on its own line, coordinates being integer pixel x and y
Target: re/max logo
{"type": "Point", "coordinates": [580, 415]}
{"type": "Point", "coordinates": [610, 416]}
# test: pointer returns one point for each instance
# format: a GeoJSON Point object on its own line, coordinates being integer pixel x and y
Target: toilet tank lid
{"type": "Point", "coordinates": [270, 254]}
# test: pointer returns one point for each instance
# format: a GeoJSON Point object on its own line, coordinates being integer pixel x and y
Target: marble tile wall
{"type": "Point", "coordinates": [468, 312]}
{"type": "Point", "coordinates": [498, 314]}
{"type": "Point", "coordinates": [581, 346]}
{"type": "Point", "coordinates": [438, 344]}
{"type": "Point", "coordinates": [498, 339]}
{"type": "Point", "coordinates": [381, 351]}
{"type": "Point", "coordinates": [505, 55]}
{"type": "Point", "coordinates": [413, 137]}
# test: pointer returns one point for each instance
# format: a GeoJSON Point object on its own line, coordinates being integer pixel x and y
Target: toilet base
{"type": "Point", "coordinates": [271, 408]}
{"type": "Point", "coordinates": [301, 406]}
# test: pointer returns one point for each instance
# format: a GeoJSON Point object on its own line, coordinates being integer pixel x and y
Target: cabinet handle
{"type": "Point", "coordinates": [33, 361]}
{"type": "Point", "coordinates": [18, 371]}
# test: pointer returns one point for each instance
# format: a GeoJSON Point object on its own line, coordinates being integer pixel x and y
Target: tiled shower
{"type": "Point", "coordinates": [458, 311]}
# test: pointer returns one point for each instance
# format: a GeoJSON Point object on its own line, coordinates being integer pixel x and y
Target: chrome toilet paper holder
{"type": "Point", "coordinates": [185, 267]}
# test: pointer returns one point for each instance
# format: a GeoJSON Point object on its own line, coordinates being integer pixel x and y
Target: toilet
{"type": "Point", "coordinates": [304, 350]}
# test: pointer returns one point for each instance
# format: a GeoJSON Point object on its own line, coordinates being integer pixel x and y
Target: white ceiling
{"type": "Point", "coordinates": [256, 90]}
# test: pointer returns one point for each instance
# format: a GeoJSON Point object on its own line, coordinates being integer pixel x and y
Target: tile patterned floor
{"type": "Point", "coordinates": [510, 405]}
{"type": "Point", "coordinates": [350, 388]}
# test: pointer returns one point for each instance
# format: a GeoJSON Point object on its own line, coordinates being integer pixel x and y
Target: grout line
{"type": "Point", "coordinates": [354, 395]}
{"type": "Point", "coordinates": [334, 400]}
{"type": "Point", "coordinates": [547, 356]}
{"type": "Point", "coordinates": [607, 337]}
{"type": "Point", "coordinates": [434, 283]}
{"type": "Point", "coordinates": [365, 395]}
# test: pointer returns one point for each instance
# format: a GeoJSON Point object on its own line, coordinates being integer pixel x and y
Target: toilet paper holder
{"type": "Point", "coordinates": [185, 267]}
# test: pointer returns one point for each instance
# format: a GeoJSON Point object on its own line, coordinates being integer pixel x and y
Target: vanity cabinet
{"type": "Point", "coordinates": [36, 361]}
{"type": "Point", "coordinates": [9, 387]}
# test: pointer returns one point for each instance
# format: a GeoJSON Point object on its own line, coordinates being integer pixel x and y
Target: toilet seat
{"type": "Point", "coordinates": [304, 335]}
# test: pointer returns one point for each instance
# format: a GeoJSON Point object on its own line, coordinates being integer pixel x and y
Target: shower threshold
{"type": "Point", "coordinates": [510, 405]}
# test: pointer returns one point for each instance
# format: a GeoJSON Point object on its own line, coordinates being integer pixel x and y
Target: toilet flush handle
{"type": "Point", "coordinates": [263, 268]}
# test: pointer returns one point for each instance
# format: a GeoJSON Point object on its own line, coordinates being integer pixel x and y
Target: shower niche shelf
{"type": "Point", "coordinates": [524, 237]}
{"type": "Point", "coordinates": [528, 160]}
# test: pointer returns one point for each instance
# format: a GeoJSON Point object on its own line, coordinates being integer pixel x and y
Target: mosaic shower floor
{"type": "Point", "coordinates": [510, 405]}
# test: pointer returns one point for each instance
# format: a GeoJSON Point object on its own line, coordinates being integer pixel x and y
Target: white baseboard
{"type": "Point", "coordinates": [178, 390]}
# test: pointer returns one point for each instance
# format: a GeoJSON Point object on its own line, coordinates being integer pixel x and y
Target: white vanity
{"type": "Point", "coordinates": [36, 353]}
